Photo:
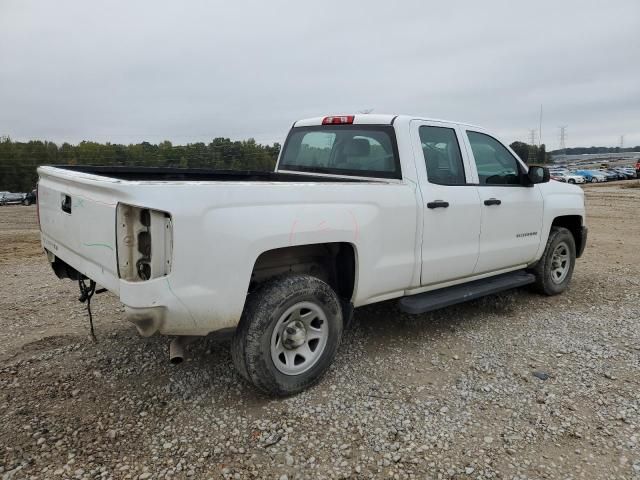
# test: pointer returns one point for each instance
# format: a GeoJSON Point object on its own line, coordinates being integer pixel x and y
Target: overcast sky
{"type": "Point", "coordinates": [127, 71]}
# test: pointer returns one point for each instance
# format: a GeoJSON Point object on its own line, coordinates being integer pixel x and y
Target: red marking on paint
{"type": "Point", "coordinates": [356, 226]}
{"type": "Point", "coordinates": [292, 233]}
{"type": "Point", "coordinates": [323, 227]}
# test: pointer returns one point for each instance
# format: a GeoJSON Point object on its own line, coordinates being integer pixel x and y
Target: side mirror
{"type": "Point", "coordinates": [538, 174]}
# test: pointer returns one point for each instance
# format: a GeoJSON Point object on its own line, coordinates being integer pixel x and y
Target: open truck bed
{"type": "Point", "coordinates": [195, 174]}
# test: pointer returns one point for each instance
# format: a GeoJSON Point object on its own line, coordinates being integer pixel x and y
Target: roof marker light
{"type": "Point", "coordinates": [338, 120]}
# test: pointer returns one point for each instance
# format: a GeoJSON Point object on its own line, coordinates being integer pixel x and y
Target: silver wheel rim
{"type": "Point", "coordinates": [560, 262]}
{"type": "Point", "coordinates": [299, 338]}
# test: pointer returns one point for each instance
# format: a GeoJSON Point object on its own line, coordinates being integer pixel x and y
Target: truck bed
{"type": "Point", "coordinates": [196, 174]}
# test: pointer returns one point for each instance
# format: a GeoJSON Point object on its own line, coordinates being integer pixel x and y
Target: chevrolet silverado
{"type": "Point", "coordinates": [360, 209]}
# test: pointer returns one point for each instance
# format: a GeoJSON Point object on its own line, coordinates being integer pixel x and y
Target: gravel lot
{"type": "Point", "coordinates": [452, 394]}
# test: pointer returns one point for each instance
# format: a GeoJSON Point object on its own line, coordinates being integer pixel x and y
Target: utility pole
{"type": "Point", "coordinates": [532, 147]}
{"type": "Point", "coordinates": [621, 142]}
{"type": "Point", "coordinates": [540, 128]}
{"type": "Point", "coordinates": [563, 138]}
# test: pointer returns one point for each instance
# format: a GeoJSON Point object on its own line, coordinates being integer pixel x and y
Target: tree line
{"type": "Point", "coordinates": [592, 150]}
{"type": "Point", "coordinates": [531, 153]}
{"type": "Point", "coordinates": [19, 160]}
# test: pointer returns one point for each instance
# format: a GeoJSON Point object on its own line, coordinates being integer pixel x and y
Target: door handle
{"type": "Point", "coordinates": [492, 201]}
{"type": "Point", "coordinates": [438, 204]}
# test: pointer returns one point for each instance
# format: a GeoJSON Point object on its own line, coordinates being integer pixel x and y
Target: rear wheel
{"type": "Point", "coordinates": [554, 270]}
{"type": "Point", "coordinates": [571, 180]}
{"type": "Point", "coordinates": [288, 335]}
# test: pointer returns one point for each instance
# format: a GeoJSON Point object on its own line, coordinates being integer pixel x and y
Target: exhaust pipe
{"type": "Point", "coordinates": [177, 348]}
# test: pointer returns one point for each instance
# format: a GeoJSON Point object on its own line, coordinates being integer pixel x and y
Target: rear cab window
{"type": "Point", "coordinates": [352, 150]}
{"type": "Point", "coordinates": [442, 155]}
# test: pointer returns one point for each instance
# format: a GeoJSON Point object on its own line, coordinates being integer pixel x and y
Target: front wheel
{"type": "Point", "coordinates": [554, 270]}
{"type": "Point", "coordinates": [592, 180]}
{"type": "Point", "coordinates": [288, 335]}
{"type": "Point", "coordinates": [571, 180]}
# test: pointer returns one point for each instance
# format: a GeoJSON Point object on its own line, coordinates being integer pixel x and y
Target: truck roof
{"type": "Point", "coordinates": [376, 119]}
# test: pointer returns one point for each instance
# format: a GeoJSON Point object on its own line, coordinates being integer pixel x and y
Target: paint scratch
{"type": "Point", "coordinates": [180, 301]}
{"type": "Point", "coordinates": [104, 245]}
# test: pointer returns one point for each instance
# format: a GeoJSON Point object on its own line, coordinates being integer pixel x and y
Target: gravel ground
{"type": "Point", "coordinates": [513, 386]}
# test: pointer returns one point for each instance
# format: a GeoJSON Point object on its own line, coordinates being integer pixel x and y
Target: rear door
{"type": "Point", "coordinates": [511, 212]}
{"type": "Point", "coordinates": [451, 210]}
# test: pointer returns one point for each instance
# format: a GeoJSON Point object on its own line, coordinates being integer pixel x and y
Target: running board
{"type": "Point", "coordinates": [444, 297]}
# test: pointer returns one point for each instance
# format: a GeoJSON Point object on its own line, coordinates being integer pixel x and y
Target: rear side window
{"type": "Point", "coordinates": [358, 150]}
{"type": "Point", "coordinates": [495, 164]}
{"type": "Point", "coordinates": [442, 155]}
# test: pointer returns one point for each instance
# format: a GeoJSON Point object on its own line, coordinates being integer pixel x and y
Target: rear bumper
{"type": "Point", "coordinates": [581, 242]}
{"type": "Point", "coordinates": [153, 306]}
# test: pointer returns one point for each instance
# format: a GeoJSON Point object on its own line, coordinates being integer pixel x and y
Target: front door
{"type": "Point", "coordinates": [451, 210]}
{"type": "Point", "coordinates": [511, 212]}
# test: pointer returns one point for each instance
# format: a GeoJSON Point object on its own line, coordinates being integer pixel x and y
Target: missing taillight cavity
{"type": "Point", "coordinates": [145, 217]}
{"type": "Point", "coordinates": [144, 243]}
{"type": "Point", "coordinates": [144, 270]}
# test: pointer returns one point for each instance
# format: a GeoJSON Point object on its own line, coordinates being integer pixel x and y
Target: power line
{"type": "Point", "coordinates": [563, 137]}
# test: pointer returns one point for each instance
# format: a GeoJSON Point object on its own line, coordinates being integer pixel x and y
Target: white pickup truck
{"type": "Point", "coordinates": [360, 209]}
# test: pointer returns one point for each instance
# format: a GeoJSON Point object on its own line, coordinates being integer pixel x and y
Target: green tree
{"type": "Point", "coordinates": [19, 160]}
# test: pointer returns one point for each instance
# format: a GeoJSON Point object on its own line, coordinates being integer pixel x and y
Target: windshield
{"type": "Point", "coordinates": [357, 150]}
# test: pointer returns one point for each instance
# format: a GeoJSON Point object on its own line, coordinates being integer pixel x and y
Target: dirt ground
{"type": "Point", "coordinates": [451, 394]}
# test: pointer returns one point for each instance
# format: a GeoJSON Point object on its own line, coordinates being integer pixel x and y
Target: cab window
{"type": "Point", "coordinates": [358, 150]}
{"type": "Point", "coordinates": [442, 155]}
{"type": "Point", "coordinates": [495, 164]}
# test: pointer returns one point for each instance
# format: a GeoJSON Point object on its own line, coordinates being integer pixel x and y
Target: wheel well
{"type": "Point", "coordinates": [334, 263]}
{"type": "Point", "coordinates": [573, 223]}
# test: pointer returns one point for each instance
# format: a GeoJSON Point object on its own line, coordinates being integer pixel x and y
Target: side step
{"type": "Point", "coordinates": [444, 297]}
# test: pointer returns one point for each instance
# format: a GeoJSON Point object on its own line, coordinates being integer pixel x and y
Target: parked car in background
{"type": "Point", "coordinates": [624, 174]}
{"type": "Point", "coordinates": [611, 175]}
{"type": "Point", "coordinates": [628, 172]}
{"type": "Point", "coordinates": [30, 198]}
{"type": "Point", "coordinates": [592, 176]}
{"type": "Point", "coordinates": [638, 169]}
{"type": "Point", "coordinates": [12, 199]}
{"type": "Point", "coordinates": [571, 177]}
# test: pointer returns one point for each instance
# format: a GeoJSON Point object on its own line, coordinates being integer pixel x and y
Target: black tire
{"type": "Point", "coordinates": [251, 344]}
{"type": "Point", "coordinates": [543, 269]}
{"type": "Point", "coordinates": [592, 180]}
{"type": "Point", "coordinates": [571, 180]}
